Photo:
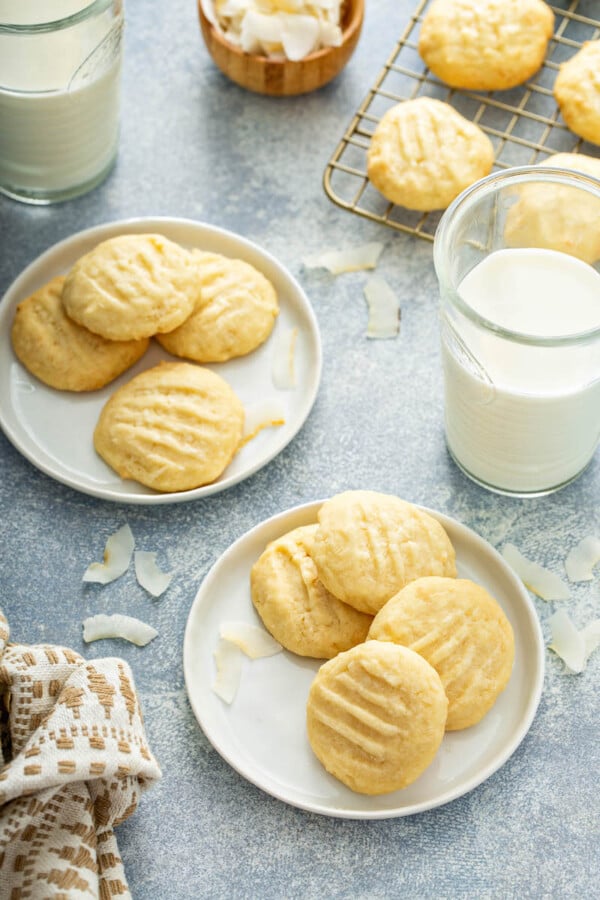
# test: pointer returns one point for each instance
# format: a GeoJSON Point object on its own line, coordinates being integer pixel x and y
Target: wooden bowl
{"type": "Point", "coordinates": [284, 78]}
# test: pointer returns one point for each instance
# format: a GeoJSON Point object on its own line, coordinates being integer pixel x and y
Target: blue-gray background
{"type": "Point", "coordinates": [195, 145]}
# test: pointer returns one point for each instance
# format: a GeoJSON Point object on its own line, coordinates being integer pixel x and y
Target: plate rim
{"type": "Point", "coordinates": [534, 696]}
{"type": "Point", "coordinates": [10, 297]}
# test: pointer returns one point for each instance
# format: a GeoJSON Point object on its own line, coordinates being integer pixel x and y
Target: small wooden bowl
{"type": "Point", "coordinates": [284, 78]}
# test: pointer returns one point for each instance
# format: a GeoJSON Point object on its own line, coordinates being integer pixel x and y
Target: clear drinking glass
{"type": "Point", "coordinates": [60, 64]}
{"type": "Point", "coordinates": [517, 258]}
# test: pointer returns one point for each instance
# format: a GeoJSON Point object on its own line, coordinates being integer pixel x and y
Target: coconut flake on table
{"type": "Point", "coordinates": [279, 29]}
{"type": "Point", "coordinates": [384, 309]}
{"type": "Point", "coordinates": [149, 576]}
{"type": "Point", "coordinates": [117, 556]}
{"type": "Point", "coordinates": [541, 581]}
{"type": "Point", "coordinates": [283, 373]}
{"type": "Point", "coordinates": [252, 640]}
{"type": "Point", "coordinates": [573, 646]}
{"type": "Point", "coordinates": [229, 660]}
{"type": "Point", "coordinates": [581, 560]}
{"type": "Point", "coordinates": [128, 628]}
{"type": "Point", "coordinates": [267, 414]}
{"type": "Point", "coordinates": [351, 259]}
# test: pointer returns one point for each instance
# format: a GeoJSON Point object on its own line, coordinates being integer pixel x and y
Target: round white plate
{"type": "Point", "coordinates": [262, 733]}
{"type": "Point", "coordinates": [53, 429]}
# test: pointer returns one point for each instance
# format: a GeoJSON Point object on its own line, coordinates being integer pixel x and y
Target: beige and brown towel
{"type": "Point", "coordinates": [74, 762]}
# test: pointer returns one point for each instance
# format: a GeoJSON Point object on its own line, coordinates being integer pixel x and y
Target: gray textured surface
{"type": "Point", "coordinates": [194, 145]}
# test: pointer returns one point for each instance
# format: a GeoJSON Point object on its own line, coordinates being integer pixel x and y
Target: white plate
{"type": "Point", "coordinates": [53, 429]}
{"type": "Point", "coordinates": [262, 734]}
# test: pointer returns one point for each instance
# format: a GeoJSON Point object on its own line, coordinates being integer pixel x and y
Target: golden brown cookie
{"type": "Point", "coordinates": [62, 353]}
{"type": "Point", "coordinates": [558, 217]}
{"type": "Point", "coordinates": [577, 92]}
{"type": "Point", "coordinates": [485, 45]}
{"type": "Point", "coordinates": [234, 313]}
{"type": "Point", "coordinates": [423, 153]}
{"type": "Point", "coordinates": [295, 607]}
{"type": "Point", "coordinates": [462, 632]}
{"type": "Point", "coordinates": [173, 427]}
{"type": "Point", "coordinates": [376, 716]}
{"type": "Point", "coordinates": [369, 545]}
{"type": "Point", "coordinates": [132, 286]}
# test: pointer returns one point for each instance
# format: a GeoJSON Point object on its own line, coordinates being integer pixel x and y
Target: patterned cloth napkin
{"type": "Point", "coordinates": [75, 761]}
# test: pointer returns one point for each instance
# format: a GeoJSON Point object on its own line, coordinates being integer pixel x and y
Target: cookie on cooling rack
{"type": "Point", "coordinates": [132, 286]}
{"type": "Point", "coordinates": [234, 313]}
{"type": "Point", "coordinates": [577, 92]}
{"type": "Point", "coordinates": [63, 354]}
{"type": "Point", "coordinates": [485, 45]}
{"type": "Point", "coordinates": [555, 216]}
{"type": "Point", "coordinates": [376, 716]}
{"type": "Point", "coordinates": [423, 153]}
{"type": "Point", "coordinates": [462, 632]}
{"type": "Point", "coordinates": [295, 606]}
{"type": "Point", "coordinates": [369, 545]}
{"type": "Point", "coordinates": [174, 427]}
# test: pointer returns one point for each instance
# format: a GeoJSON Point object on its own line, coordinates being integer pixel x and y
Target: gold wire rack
{"type": "Point", "coordinates": [523, 124]}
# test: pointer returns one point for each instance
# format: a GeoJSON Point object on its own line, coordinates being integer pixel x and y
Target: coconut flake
{"type": "Point", "coordinates": [97, 628]}
{"type": "Point", "coordinates": [149, 576]}
{"type": "Point", "coordinates": [541, 581]}
{"type": "Point", "coordinates": [229, 660]}
{"type": "Point", "coordinates": [384, 309]}
{"type": "Point", "coordinates": [252, 640]}
{"type": "Point", "coordinates": [268, 414]}
{"type": "Point", "coordinates": [567, 642]}
{"type": "Point", "coordinates": [117, 556]}
{"type": "Point", "coordinates": [573, 646]}
{"type": "Point", "coordinates": [581, 560]}
{"type": "Point", "coordinates": [283, 370]}
{"type": "Point", "coordinates": [352, 259]}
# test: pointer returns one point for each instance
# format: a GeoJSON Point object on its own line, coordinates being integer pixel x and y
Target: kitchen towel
{"type": "Point", "coordinates": [75, 760]}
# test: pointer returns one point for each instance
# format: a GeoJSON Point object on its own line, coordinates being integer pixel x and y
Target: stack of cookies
{"type": "Point", "coordinates": [423, 153]}
{"type": "Point", "coordinates": [413, 650]}
{"type": "Point", "coordinates": [175, 426]}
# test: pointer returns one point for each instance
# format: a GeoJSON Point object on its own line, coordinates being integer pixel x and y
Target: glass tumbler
{"type": "Point", "coordinates": [60, 64]}
{"type": "Point", "coordinates": [517, 259]}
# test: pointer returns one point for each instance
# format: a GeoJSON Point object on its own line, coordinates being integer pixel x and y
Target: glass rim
{"type": "Point", "coordinates": [486, 186]}
{"type": "Point", "coordinates": [91, 8]}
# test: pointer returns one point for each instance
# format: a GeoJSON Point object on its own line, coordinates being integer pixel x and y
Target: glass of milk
{"type": "Point", "coordinates": [60, 66]}
{"type": "Point", "coordinates": [517, 257]}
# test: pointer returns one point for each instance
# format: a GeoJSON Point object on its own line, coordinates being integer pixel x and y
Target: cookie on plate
{"type": "Point", "coordinates": [462, 632]}
{"type": "Point", "coordinates": [577, 92]}
{"type": "Point", "coordinates": [369, 545]}
{"type": "Point", "coordinates": [132, 286]}
{"type": "Point", "coordinates": [555, 216]}
{"type": "Point", "coordinates": [63, 354]}
{"type": "Point", "coordinates": [376, 716]}
{"type": "Point", "coordinates": [174, 427]}
{"type": "Point", "coordinates": [423, 153]}
{"type": "Point", "coordinates": [295, 606]}
{"type": "Point", "coordinates": [234, 313]}
{"type": "Point", "coordinates": [485, 45]}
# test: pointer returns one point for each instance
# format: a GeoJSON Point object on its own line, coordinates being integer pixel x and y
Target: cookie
{"type": "Point", "coordinates": [462, 632]}
{"type": "Point", "coordinates": [485, 45]}
{"type": "Point", "coordinates": [63, 354]}
{"type": "Point", "coordinates": [558, 217]}
{"type": "Point", "coordinates": [376, 716]}
{"type": "Point", "coordinates": [132, 286]}
{"type": "Point", "coordinates": [172, 428]}
{"type": "Point", "coordinates": [577, 92]}
{"type": "Point", "coordinates": [369, 545]}
{"type": "Point", "coordinates": [234, 313]}
{"type": "Point", "coordinates": [295, 607]}
{"type": "Point", "coordinates": [423, 153]}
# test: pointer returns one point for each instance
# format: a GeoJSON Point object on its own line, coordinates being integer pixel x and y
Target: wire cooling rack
{"type": "Point", "coordinates": [523, 124]}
